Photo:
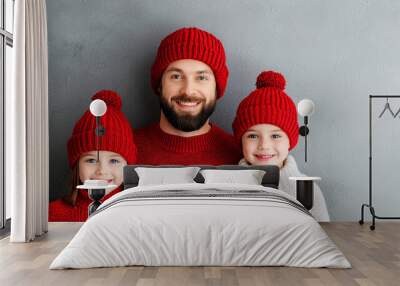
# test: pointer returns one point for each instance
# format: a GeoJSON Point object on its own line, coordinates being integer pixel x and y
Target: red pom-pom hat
{"type": "Point", "coordinates": [268, 104]}
{"type": "Point", "coordinates": [195, 44]}
{"type": "Point", "coordinates": [118, 137]}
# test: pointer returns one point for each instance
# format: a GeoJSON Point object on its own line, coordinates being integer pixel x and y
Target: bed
{"type": "Point", "coordinates": [201, 222]}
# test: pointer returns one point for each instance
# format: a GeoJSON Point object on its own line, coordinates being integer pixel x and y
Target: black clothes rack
{"type": "Point", "coordinates": [370, 205]}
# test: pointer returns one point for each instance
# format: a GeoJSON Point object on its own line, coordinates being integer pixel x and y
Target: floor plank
{"type": "Point", "coordinates": [374, 255]}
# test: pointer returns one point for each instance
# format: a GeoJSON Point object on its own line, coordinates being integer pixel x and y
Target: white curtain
{"type": "Point", "coordinates": [27, 143]}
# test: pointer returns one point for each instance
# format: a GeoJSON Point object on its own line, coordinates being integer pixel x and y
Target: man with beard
{"type": "Point", "coordinates": [189, 75]}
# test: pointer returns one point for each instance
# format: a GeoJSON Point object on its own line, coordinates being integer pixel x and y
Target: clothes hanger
{"type": "Point", "coordinates": [397, 113]}
{"type": "Point", "coordinates": [387, 106]}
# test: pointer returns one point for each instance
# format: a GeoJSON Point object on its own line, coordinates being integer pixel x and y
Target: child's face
{"type": "Point", "coordinates": [108, 168]}
{"type": "Point", "coordinates": [265, 144]}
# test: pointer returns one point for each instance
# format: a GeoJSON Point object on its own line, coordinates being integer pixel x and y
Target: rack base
{"type": "Point", "coordinates": [374, 216]}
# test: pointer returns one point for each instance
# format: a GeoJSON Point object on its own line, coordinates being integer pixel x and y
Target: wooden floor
{"type": "Point", "coordinates": [374, 255]}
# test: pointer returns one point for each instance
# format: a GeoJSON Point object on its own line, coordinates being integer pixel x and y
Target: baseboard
{"type": "Point", "coordinates": [5, 231]}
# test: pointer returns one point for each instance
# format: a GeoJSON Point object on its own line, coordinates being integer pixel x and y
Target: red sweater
{"type": "Point", "coordinates": [62, 211]}
{"type": "Point", "coordinates": [216, 147]}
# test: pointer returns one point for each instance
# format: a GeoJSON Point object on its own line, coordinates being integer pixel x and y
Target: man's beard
{"type": "Point", "coordinates": [186, 123]}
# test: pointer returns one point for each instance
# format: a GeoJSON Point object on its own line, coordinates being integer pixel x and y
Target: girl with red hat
{"type": "Point", "coordinates": [267, 128]}
{"type": "Point", "coordinates": [117, 150]}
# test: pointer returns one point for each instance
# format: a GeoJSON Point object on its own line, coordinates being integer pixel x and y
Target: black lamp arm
{"type": "Point", "coordinates": [304, 132]}
{"type": "Point", "coordinates": [100, 131]}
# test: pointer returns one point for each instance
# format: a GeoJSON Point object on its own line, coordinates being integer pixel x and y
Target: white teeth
{"type": "Point", "coordinates": [187, 103]}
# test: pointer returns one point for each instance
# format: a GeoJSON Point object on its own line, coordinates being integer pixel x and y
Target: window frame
{"type": "Point", "coordinates": [6, 39]}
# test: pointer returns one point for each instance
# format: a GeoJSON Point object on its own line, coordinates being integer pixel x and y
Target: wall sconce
{"type": "Point", "coordinates": [305, 108]}
{"type": "Point", "coordinates": [96, 188]}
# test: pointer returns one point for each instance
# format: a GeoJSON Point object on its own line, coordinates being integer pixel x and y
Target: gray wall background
{"type": "Point", "coordinates": [333, 52]}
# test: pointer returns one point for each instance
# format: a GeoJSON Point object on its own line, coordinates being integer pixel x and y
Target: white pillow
{"type": "Point", "coordinates": [162, 176]}
{"type": "Point", "coordinates": [250, 177]}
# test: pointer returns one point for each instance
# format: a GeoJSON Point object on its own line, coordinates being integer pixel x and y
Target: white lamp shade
{"type": "Point", "coordinates": [305, 107]}
{"type": "Point", "coordinates": [98, 107]}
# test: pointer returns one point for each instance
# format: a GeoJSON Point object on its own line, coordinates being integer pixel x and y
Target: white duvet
{"type": "Point", "coordinates": [206, 230]}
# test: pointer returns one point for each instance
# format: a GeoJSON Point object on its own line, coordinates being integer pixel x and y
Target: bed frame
{"type": "Point", "coordinates": [270, 179]}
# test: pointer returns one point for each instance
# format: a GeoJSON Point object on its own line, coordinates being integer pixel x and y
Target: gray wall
{"type": "Point", "coordinates": [333, 52]}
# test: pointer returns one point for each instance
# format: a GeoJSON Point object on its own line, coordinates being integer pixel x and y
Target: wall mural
{"type": "Point", "coordinates": [189, 76]}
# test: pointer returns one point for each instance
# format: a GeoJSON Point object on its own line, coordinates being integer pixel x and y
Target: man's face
{"type": "Point", "coordinates": [188, 94]}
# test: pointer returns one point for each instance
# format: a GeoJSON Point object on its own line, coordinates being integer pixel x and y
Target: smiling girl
{"type": "Point", "coordinates": [117, 150]}
{"type": "Point", "coordinates": [266, 127]}
{"type": "Point", "coordinates": [109, 167]}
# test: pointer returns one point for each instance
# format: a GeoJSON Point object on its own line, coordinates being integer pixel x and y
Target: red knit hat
{"type": "Point", "coordinates": [195, 44]}
{"type": "Point", "coordinates": [118, 135]}
{"type": "Point", "coordinates": [268, 104]}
